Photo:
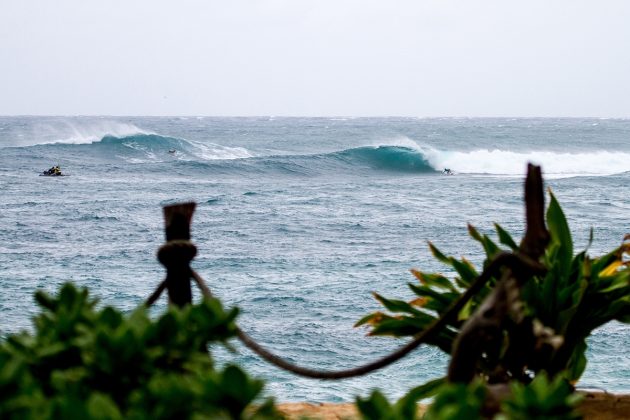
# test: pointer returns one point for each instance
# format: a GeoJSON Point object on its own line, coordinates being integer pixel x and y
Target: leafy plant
{"type": "Point", "coordinates": [575, 296]}
{"type": "Point", "coordinates": [457, 401]}
{"type": "Point", "coordinates": [82, 362]}
{"type": "Point", "coordinates": [541, 399]}
{"type": "Point", "coordinates": [578, 294]}
{"type": "Point", "coordinates": [377, 407]}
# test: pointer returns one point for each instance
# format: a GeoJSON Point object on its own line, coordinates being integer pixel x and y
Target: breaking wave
{"type": "Point", "coordinates": [503, 162]}
{"type": "Point", "coordinates": [396, 156]}
{"type": "Point", "coordinates": [144, 147]}
{"type": "Point", "coordinates": [510, 163]}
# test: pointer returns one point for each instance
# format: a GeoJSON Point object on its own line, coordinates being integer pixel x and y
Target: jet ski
{"type": "Point", "coordinates": [54, 171]}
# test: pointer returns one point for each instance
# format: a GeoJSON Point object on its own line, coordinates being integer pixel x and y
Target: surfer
{"type": "Point", "coordinates": [172, 151]}
{"type": "Point", "coordinates": [447, 171]}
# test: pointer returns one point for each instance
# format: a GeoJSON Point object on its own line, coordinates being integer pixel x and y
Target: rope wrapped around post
{"type": "Point", "coordinates": [505, 259]}
{"type": "Point", "coordinates": [502, 260]}
{"type": "Point", "coordinates": [176, 254]}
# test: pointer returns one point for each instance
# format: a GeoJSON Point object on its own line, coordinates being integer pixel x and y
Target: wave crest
{"type": "Point", "coordinates": [554, 164]}
{"type": "Point", "coordinates": [72, 132]}
{"type": "Point", "coordinates": [137, 148]}
{"type": "Point", "coordinates": [511, 163]}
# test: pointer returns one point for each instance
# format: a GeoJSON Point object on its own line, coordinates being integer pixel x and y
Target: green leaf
{"type": "Point", "coordinates": [456, 401]}
{"type": "Point", "coordinates": [433, 280]}
{"type": "Point", "coordinates": [446, 298]}
{"type": "Point", "coordinates": [395, 305]}
{"type": "Point", "coordinates": [474, 233]}
{"type": "Point", "coordinates": [368, 319]}
{"type": "Point", "coordinates": [438, 254]}
{"type": "Point", "coordinates": [426, 390]}
{"type": "Point", "coordinates": [505, 237]}
{"type": "Point", "coordinates": [490, 248]}
{"type": "Point", "coordinates": [376, 407]}
{"type": "Point", "coordinates": [101, 406]}
{"type": "Point", "coordinates": [465, 270]}
{"type": "Point", "coordinates": [577, 363]}
{"type": "Point", "coordinates": [560, 234]}
{"type": "Point", "coordinates": [401, 326]}
{"type": "Point", "coordinates": [541, 399]}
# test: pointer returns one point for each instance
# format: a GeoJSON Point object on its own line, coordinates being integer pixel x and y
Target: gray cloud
{"type": "Point", "coordinates": [287, 57]}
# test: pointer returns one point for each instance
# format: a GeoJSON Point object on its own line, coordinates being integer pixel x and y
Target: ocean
{"type": "Point", "coordinates": [298, 221]}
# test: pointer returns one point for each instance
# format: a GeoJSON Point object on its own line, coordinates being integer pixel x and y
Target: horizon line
{"type": "Point", "coordinates": [307, 116]}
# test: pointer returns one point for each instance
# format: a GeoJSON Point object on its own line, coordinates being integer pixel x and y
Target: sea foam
{"type": "Point", "coordinates": [512, 163]}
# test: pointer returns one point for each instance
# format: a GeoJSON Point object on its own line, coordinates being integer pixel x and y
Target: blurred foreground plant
{"type": "Point", "coordinates": [87, 363]}
{"type": "Point", "coordinates": [576, 295]}
{"type": "Point", "coordinates": [540, 399]}
{"type": "Point", "coordinates": [573, 296]}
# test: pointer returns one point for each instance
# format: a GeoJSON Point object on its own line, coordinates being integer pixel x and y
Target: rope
{"type": "Point", "coordinates": [156, 294]}
{"type": "Point", "coordinates": [423, 337]}
{"type": "Point", "coordinates": [176, 252]}
{"type": "Point", "coordinates": [515, 261]}
{"type": "Point", "coordinates": [205, 290]}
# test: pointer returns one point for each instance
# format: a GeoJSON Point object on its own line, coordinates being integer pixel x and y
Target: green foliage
{"type": "Point", "coordinates": [377, 407]}
{"type": "Point", "coordinates": [541, 399]}
{"type": "Point", "coordinates": [458, 401]}
{"type": "Point", "coordinates": [577, 295]}
{"type": "Point", "coordinates": [87, 363]}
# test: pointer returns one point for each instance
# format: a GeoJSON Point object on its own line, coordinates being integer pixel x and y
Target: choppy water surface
{"type": "Point", "coordinates": [298, 220]}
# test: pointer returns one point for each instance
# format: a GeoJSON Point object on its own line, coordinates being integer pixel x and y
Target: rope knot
{"type": "Point", "coordinates": [176, 252]}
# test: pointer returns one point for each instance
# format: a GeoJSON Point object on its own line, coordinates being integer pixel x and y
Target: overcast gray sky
{"type": "Point", "coordinates": [319, 57]}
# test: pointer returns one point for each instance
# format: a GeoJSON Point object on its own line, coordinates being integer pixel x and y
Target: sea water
{"type": "Point", "coordinates": [298, 221]}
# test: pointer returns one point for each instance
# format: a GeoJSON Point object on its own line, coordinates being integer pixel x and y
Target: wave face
{"type": "Point", "coordinates": [357, 161]}
{"type": "Point", "coordinates": [390, 158]}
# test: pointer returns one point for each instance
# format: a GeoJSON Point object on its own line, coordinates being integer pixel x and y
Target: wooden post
{"type": "Point", "coordinates": [178, 252]}
{"type": "Point", "coordinates": [502, 310]}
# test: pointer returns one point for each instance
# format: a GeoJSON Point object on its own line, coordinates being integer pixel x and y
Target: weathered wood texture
{"type": "Point", "coordinates": [178, 252]}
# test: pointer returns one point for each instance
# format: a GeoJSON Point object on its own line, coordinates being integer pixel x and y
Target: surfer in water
{"type": "Point", "coordinates": [447, 171]}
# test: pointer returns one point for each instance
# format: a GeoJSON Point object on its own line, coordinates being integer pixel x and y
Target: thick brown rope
{"type": "Point", "coordinates": [434, 328]}
{"type": "Point", "coordinates": [205, 290]}
{"type": "Point", "coordinates": [514, 261]}
{"type": "Point", "coordinates": [156, 294]}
